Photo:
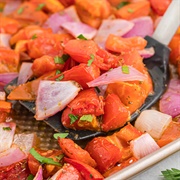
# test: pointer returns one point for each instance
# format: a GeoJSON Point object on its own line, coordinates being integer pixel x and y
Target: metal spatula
{"type": "Point", "coordinates": [157, 67]}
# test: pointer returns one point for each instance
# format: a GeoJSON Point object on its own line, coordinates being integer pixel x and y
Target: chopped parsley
{"type": "Point", "coordinates": [20, 10]}
{"type": "Point", "coordinates": [62, 59]}
{"type": "Point", "coordinates": [42, 159]}
{"type": "Point", "coordinates": [60, 77]}
{"type": "Point", "coordinates": [171, 174]}
{"type": "Point", "coordinates": [1, 9]}
{"type": "Point", "coordinates": [87, 117]}
{"type": "Point", "coordinates": [40, 6]}
{"type": "Point", "coordinates": [122, 4]}
{"type": "Point", "coordinates": [58, 72]}
{"type": "Point", "coordinates": [90, 61]}
{"type": "Point", "coordinates": [34, 36]}
{"type": "Point", "coordinates": [59, 157]}
{"type": "Point", "coordinates": [125, 69]}
{"type": "Point", "coordinates": [30, 177]}
{"type": "Point", "coordinates": [130, 10]}
{"type": "Point", "coordinates": [7, 129]}
{"type": "Point", "coordinates": [61, 135]}
{"type": "Point", "coordinates": [81, 37]}
{"type": "Point", "coordinates": [73, 118]}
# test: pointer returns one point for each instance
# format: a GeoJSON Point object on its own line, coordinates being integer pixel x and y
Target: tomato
{"type": "Point", "coordinates": [171, 133]}
{"type": "Point", "coordinates": [27, 14]}
{"type": "Point", "coordinates": [104, 153]}
{"type": "Point", "coordinates": [128, 133]}
{"type": "Point", "coordinates": [134, 10]}
{"type": "Point", "coordinates": [15, 171]}
{"type": "Point", "coordinates": [80, 73]}
{"type": "Point", "coordinates": [88, 172]}
{"type": "Point", "coordinates": [9, 25]}
{"type": "Point", "coordinates": [84, 51]}
{"type": "Point", "coordinates": [68, 172]}
{"type": "Point", "coordinates": [48, 169]}
{"type": "Point", "coordinates": [115, 113]}
{"type": "Point", "coordinates": [73, 151]}
{"type": "Point", "coordinates": [160, 6]}
{"type": "Point", "coordinates": [45, 64]}
{"type": "Point", "coordinates": [9, 60]}
{"type": "Point", "coordinates": [120, 44]}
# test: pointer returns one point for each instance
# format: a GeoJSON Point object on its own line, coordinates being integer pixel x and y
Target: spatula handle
{"type": "Point", "coordinates": [168, 24]}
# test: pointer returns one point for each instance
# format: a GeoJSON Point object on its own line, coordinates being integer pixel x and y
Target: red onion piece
{"type": "Point", "coordinates": [2, 95]}
{"type": "Point", "coordinates": [7, 131]}
{"type": "Point", "coordinates": [12, 155]}
{"type": "Point", "coordinates": [39, 174]}
{"type": "Point", "coordinates": [170, 100]}
{"type": "Point", "coordinates": [143, 145]}
{"type": "Point", "coordinates": [77, 28]}
{"type": "Point", "coordinates": [117, 27]}
{"type": "Point", "coordinates": [4, 40]}
{"type": "Point", "coordinates": [7, 77]}
{"type": "Point", "coordinates": [53, 96]}
{"type": "Point", "coordinates": [117, 75]}
{"type": "Point", "coordinates": [143, 26]}
{"type": "Point", "coordinates": [25, 73]}
{"type": "Point", "coordinates": [147, 52]}
{"type": "Point", "coordinates": [10, 6]}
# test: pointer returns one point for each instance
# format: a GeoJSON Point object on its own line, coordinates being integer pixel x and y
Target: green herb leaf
{"type": "Point", "coordinates": [60, 77]}
{"type": "Point", "coordinates": [81, 37]}
{"type": "Point", "coordinates": [1, 9]}
{"type": "Point", "coordinates": [20, 10]}
{"type": "Point", "coordinates": [40, 6]}
{"type": "Point", "coordinates": [58, 72]}
{"type": "Point", "coordinates": [59, 157]}
{"type": "Point", "coordinates": [73, 118]}
{"type": "Point", "coordinates": [87, 117]}
{"type": "Point", "coordinates": [61, 135]}
{"type": "Point", "coordinates": [130, 10]}
{"type": "Point", "coordinates": [30, 177]}
{"type": "Point", "coordinates": [125, 69]}
{"type": "Point", "coordinates": [34, 36]}
{"type": "Point", "coordinates": [122, 4]}
{"type": "Point", "coordinates": [7, 129]}
{"type": "Point", "coordinates": [42, 159]}
{"type": "Point", "coordinates": [91, 60]}
{"type": "Point", "coordinates": [62, 59]}
{"type": "Point", "coordinates": [173, 174]}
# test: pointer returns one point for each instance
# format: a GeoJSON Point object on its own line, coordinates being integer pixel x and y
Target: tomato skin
{"type": "Point", "coordinates": [88, 172]}
{"type": "Point", "coordinates": [160, 6]}
{"type": "Point", "coordinates": [15, 171]}
{"type": "Point", "coordinates": [104, 153]}
{"type": "Point", "coordinates": [171, 133]}
{"type": "Point", "coordinates": [115, 113]}
{"type": "Point", "coordinates": [80, 73]}
{"type": "Point", "coordinates": [48, 169]}
{"type": "Point", "coordinates": [73, 151]}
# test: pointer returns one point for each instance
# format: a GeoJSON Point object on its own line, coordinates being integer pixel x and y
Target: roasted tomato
{"type": "Point", "coordinates": [73, 151]}
{"type": "Point", "coordinates": [104, 153]}
{"type": "Point", "coordinates": [115, 113]}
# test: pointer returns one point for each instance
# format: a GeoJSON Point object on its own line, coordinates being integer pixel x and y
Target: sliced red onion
{"type": "Point", "coordinates": [25, 72]}
{"type": "Point", "coordinates": [170, 100]}
{"type": "Point", "coordinates": [2, 95]}
{"type": "Point", "coordinates": [39, 174]}
{"type": "Point", "coordinates": [4, 40]}
{"type": "Point", "coordinates": [25, 141]}
{"type": "Point", "coordinates": [53, 96]}
{"type": "Point", "coordinates": [117, 27]}
{"type": "Point", "coordinates": [55, 20]}
{"type": "Point", "coordinates": [143, 26]}
{"type": "Point", "coordinates": [117, 75]}
{"type": "Point", "coordinates": [7, 131]}
{"type": "Point", "coordinates": [147, 52]}
{"type": "Point", "coordinates": [11, 155]}
{"type": "Point", "coordinates": [7, 77]}
{"type": "Point", "coordinates": [77, 28]}
{"type": "Point", "coordinates": [143, 145]}
{"type": "Point", "coordinates": [153, 122]}
{"type": "Point", "coordinates": [10, 6]}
